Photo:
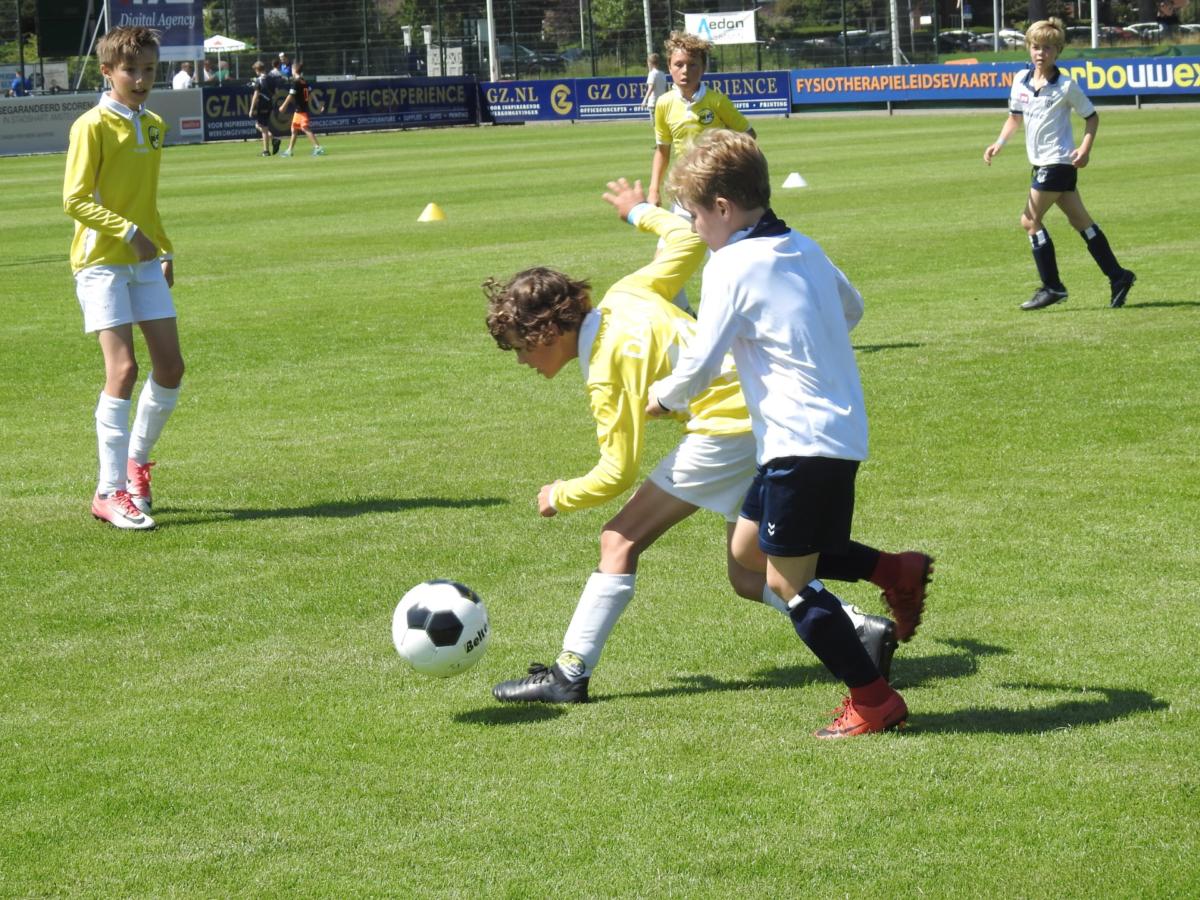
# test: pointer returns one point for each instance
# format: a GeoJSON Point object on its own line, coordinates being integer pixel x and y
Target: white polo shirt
{"type": "Point", "coordinates": [1047, 114]}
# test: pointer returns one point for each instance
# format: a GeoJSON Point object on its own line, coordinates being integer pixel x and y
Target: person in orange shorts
{"type": "Point", "coordinates": [298, 98]}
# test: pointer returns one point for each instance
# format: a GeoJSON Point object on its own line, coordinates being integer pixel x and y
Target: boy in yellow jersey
{"type": "Point", "coordinates": [623, 345]}
{"type": "Point", "coordinates": [682, 114]}
{"type": "Point", "coordinates": [124, 269]}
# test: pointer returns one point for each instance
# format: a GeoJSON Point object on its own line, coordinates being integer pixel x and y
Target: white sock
{"type": "Point", "coordinates": [154, 408]}
{"type": "Point", "coordinates": [600, 605]}
{"type": "Point", "coordinates": [857, 617]}
{"type": "Point", "coordinates": [112, 438]}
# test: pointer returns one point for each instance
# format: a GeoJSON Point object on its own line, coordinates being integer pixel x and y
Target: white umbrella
{"type": "Point", "coordinates": [219, 44]}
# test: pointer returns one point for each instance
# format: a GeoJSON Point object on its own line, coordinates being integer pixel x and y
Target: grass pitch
{"type": "Point", "coordinates": [215, 708]}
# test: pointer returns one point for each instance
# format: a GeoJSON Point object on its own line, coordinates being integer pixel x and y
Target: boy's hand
{"type": "Point", "coordinates": [143, 247]}
{"type": "Point", "coordinates": [1080, 157]}
{"type": "Point", "coordinates": [623, 197]}
{"type": "Point", "coordinates": [654, 409]}
{"type": "Point", "coordinates": [545, 508]}
{"type": "Point", "coordinates": [168, 267]}
{"type": "Point", "coordinates": [990, 153]}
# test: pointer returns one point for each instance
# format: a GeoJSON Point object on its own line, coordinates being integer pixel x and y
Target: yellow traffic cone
{"type": "Point", "coordinates": [432, 213]}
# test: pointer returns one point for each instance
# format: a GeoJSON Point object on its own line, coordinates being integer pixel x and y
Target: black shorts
{"type": "Point", "coordinates": [1056, 179]}
{"type": "Point", "coordinates": [803, 505]}
{"type": "Point", "coordinates": [263, 116]}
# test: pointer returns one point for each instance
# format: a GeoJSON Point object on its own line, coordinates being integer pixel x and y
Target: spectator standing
{"type": "Point", "coordinates": [284, 65]}
{"type": "Point", "coordinates": [656, 82]}
{"type": "Point", "coordinates": [22, 85]}
{"type": "Point", "coordinates": [208, 76]}
{"type": "Point", "coordinates": [183, 78]}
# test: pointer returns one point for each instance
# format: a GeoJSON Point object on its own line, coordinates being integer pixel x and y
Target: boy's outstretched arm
{"type": "Point", "coordinates": [680, 254]}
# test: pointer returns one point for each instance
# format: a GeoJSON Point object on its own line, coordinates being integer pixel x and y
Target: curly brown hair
{"type": "Point", "coordinates": [125, 43]}
{"type": "Point", "coordinates": [691, 44]}
{"type": "Point", "coordinates": [536, 306]}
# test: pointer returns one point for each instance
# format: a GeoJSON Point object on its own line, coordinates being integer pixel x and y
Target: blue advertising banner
{"type": "Point", "coordinates": [1128, 77]}
{"type": "Point", "coordinates": [594, 99]}
{"type": "Point", "coordinates": [528, 101]}
{"type": "Point", "coordinates": [1099, 78]}
{"type": "Point", "coordinates": [181, 23]}
{"type": "Point", "coordinates": [755, 93]}
{"type": "Point", "coordinates": [353, 105]}
{"type": "Point", "coordinates": [610, 98]}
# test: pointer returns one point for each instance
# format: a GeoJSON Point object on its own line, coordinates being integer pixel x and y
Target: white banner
{"type": "Point", "coordinates": [722, 28]}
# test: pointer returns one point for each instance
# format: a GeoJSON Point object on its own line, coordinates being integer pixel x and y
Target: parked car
{"type": "Point", "coordinates": [526, 61]}
{"type": "Point", "coordinates": [1009, 40]}
{"type": "Point", "coordinates": [955, 41]}
{"type": "Point", "coordinates": [1146, 31]}
{"type": "Point", "coordinates": [1114, 34]}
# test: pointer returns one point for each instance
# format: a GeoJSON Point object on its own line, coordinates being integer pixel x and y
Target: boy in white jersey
{"type": "Point", "coordinates": [124, 269]}
{"type": "Point", "coordinates": [686, 111]}
{"type": "Point", "coordinates": [622, 345]}
{"type": "Point", "coordinates": [1043, 98]}
{"type": "Point", "coordinates": [773, 297]}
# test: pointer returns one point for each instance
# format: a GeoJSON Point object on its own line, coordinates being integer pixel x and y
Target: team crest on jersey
{"type": "Point", "coordinates": [155, 137]}
{"type": "Point", "coordinates": [706, 117]}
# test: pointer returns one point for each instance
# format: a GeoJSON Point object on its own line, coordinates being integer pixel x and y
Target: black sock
{"type": "Point", "coordinates": [1097, 245]}
{"type": "Point", "coordinates": [856, 564]}
{"type": "Point", "coordinates": [1045, 260]}
{"type": "Point", "coordinates": [828, 632]}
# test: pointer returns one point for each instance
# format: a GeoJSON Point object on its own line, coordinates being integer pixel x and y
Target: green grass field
{"type": "Point", "coordinates": [215, 708]}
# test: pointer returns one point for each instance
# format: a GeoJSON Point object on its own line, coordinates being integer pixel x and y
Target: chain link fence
{"type": "Point", "coordinates": [576, 38]}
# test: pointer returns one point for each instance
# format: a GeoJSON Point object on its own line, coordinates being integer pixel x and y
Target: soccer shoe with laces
{"type": "Point", "coordinates": [1045, 296]}
{"type": "Point", "coordinates": [318, 151]}
{"type": "Point", "coordinates": [905, 596]}
{"type": "Point", "coordinates": [286, 153]}
{"type": "Point", "coordinates": [878, 637]}
{"type": "Point", "coordinates": [543, 685]}
{"type": "Point", "coordinates": [1120, 288]}
{"type": "Point", "coordinates": [137, 483]}
{"type": "Point", "coordinates": [852, 720]}
{"type": "Point", "coordinates": [117, 509]}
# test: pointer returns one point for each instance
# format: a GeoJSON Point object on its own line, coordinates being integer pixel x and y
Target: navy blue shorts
{"type": "Point", "coordinates": [803, 505]}
{"type": "Point", "coordinates": [1057, 179]}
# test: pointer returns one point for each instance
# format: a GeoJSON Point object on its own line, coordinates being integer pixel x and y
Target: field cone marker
{"type": "Point", "coordinates": [432, 213]}
{"type": "Point", "coordinates": [795, 180]}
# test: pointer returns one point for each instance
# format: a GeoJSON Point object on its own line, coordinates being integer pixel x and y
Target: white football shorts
{"type": "Point", "coordinates": [119, 295]}
{"type": "Point", "coordinates": [711, 472]}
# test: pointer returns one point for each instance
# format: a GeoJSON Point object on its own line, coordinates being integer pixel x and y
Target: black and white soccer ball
{"type": "Point", "coordinates": [440, 627]}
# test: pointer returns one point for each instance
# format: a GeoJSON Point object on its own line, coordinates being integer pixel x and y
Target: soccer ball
{"type": "Point", "coordinates": [440, 627]}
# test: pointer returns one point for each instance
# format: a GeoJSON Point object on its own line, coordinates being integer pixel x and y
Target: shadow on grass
{"type": "Point", "coordinates": [875, 348]}
{"type": "Point", "coordinates": [512, 714]}
{"type": "Point", "coordinates": [1094, 706]}
{"type": "Point", "coordinates": [1166, 304]}
{"type": "Point", "coordinates": [334, 509]}
{"type": "Point", "coordinates": [1091, 706]}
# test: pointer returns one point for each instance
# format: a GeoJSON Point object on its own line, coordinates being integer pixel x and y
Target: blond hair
{"type": "Point", "coordinates": [722, 163]}
{"type": "Point", "coordinates": [1046, 33]}
{"type": "Point", "coordinates": [691, 44]}
{"type": "Point", "coordinates": [125, 43]}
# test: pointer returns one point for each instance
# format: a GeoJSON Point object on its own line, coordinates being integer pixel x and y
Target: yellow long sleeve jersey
{"type": "Point", "coordinates": [111, 183]}
{"type": "Point", "coordinates": [629, 341]}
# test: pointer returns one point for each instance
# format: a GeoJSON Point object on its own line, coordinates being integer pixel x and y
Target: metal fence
{"type": "Point", "coordinates": [557, 38]}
